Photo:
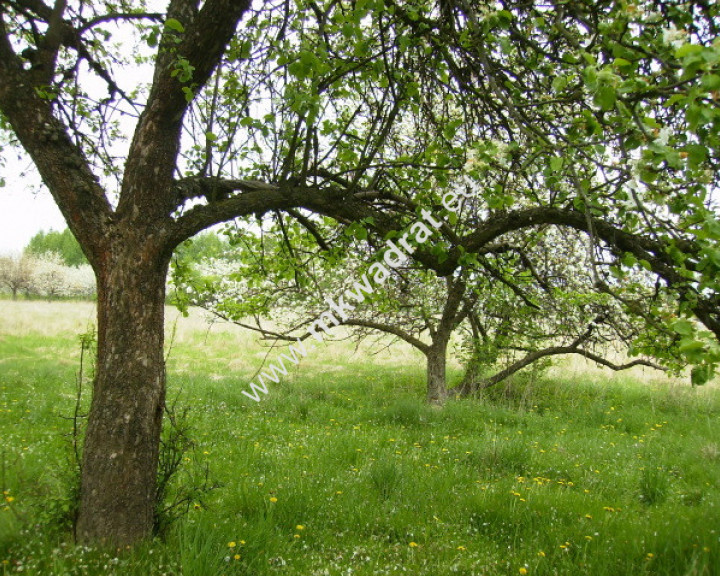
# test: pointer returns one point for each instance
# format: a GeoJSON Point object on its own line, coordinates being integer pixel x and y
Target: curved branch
{"type": "Point", "coordinates": [157, 16]}
{"type": "Point", "coordinates": [388, 329]}
{"type": "Point", "coordinates": [471, 387]}
{"type": "Point", "coordinates": [256, 197]}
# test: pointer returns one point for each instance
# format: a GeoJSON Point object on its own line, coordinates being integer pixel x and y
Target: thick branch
{"type": "Point", "coordinates": [45, 63]}
{"type": "Point", "coordinates": [62, 165]}
{"type": "Point", "coordinates": [148, 180]}
{"type": "Point", "coordinates": [257, 197]}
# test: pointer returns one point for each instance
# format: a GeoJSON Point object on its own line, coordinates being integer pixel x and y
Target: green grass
{"type": "Point", "coordinates": [343, 469]}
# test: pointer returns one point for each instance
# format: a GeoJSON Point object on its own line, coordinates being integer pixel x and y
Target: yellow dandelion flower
{"type": "Point", "coordinates": [296, 536]}
{"type": "Point", "coordinates": [650, 555]}
{"type": "Point", "coordinates": [237, 556]}
{"type": "Point", "coordinates": [299, 527]}
{"type": "Point", "coordinates": [461, 548]}
{"type": "Point", "coordinates": [541, 554]}
{"type": "Point", "coordinates": [273, 499]}
{"type": "Point", "coordinates": [232, 544]}
{"type": "Point", "coordinates": [413, 545]}
{"type": "Point", "coordinates": [523, 570]}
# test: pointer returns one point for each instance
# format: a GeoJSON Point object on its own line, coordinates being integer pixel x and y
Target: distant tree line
{"type": "Point", "coordinates": [53, 266]}
{"type": "Point", "coordinates": [62, 243]}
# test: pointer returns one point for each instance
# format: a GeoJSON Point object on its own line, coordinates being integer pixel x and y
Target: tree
{"type": "Point", "coordinates": [270, 103]}
{"type": "Point", "coordinates": [544, 304]}
{"type": "Point", "coordinates": [201, 247]}
{"type": "Point", "coordinates": [48, 277]}
{"type": "Point", "coordinates": [607, 110]}
{"type": "Point", "coordinates": [16, 274]}
{"type": "Point", "coordinates": [526, 298]}
{"type": "Point", "coordinates": [61, 243]}
{"type": "Point", "coordinates": [308, 295]}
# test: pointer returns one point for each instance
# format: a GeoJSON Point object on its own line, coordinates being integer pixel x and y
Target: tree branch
{"type": "Point", "coordinates": [388, 329]}
{"type": "Point", "coordinates": [147, 186]}
{"type": "Point", "coordinates": [574, 348]}
{"type": "Point", "coordinates": [62, 165]}
{"type": "Point", "coordinates": [310, 227]}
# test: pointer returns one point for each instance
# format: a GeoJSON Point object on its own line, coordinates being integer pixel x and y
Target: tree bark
{"type": "Point", "coordinates": [453, 314]}
{"type": "Point", "coordinates": [436, 372]}
{"type": "Point", "coordinates": [120, 455]}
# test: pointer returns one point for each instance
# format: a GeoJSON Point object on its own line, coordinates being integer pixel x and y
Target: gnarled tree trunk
{"type": "Point", "coordinates": [120, 456]}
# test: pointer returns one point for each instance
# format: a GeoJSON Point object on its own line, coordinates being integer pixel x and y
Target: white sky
{"type": "Point", "coordinates": [25, 209]}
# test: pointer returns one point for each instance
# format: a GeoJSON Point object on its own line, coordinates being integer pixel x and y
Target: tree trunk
{"type": "Point", "coordinates": [468, 385]}
{"type": "Point", "coordinates": [436, 372]}
{"type": "Point", "coordinates": [120, 455]}
{"type": "Point", "coordinates": [473, 373]}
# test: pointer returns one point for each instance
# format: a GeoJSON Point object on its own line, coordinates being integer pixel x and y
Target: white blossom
{"type": "Point", "coordinates": [674, 37]}
{"type": "Point", "coordinates": [663, 136]}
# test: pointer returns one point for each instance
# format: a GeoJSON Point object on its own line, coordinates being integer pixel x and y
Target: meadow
{"type": "Point", "coordinates": [343, 469]}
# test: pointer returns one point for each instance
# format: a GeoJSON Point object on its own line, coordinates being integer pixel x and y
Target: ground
{"type": "Point", "coordinates": [342, 469]}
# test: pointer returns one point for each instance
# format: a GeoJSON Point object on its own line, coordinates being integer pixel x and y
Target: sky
{"type": "Point", "coordinates": [25, 209]}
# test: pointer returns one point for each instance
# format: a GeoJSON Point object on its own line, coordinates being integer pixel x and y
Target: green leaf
{"type": "Point", "coordinates": [559, 83]}
{"type": "Point", "coordinates": [683, 327]}
{"type": "Point", "coordinates": [696, 155]}
{"type": "Point", "coordinates": [189, 94]}
{"type": "Point", "coordinates": [699, 375]}
{"type": "Point", "coordinates": [687, 50]}
{"type": "Point", "coordinates": [175, 25]}
{"type": "Point", "coordinates": [605, 97]}
{"type": "Point", "coordinates": [556, 163]}
{"type": "Point", "coordinates": [153, 38]}
{"type": "Point", "coordinates": [621, 62]}
{"type": "Point", "coordinates": [693, 350]}
{"type": "Point", "coordinates": [711, 82]}
{"type": "Point", "coordinates": [361, 233]}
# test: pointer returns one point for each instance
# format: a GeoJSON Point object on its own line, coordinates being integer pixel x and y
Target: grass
{"type": "Point", "coordinates": [343, 469]}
